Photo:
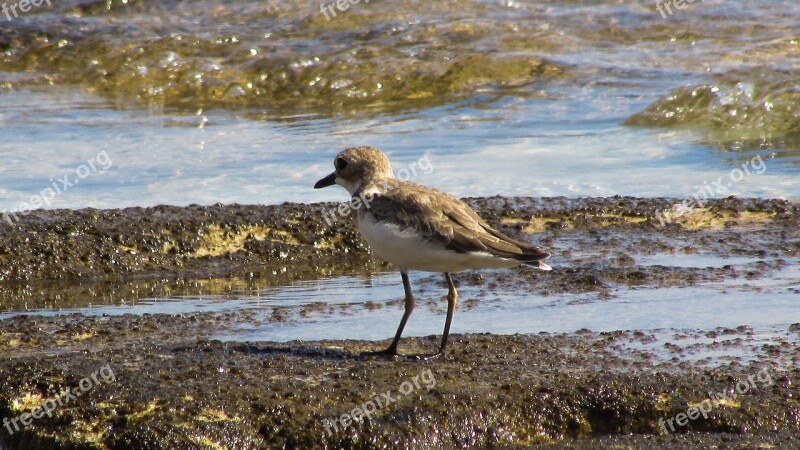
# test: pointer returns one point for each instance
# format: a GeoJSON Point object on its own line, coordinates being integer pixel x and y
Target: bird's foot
{"type": "Point", "coordinates": [429, 356]}
{"type": "Point", "coordinates": [391, 351]}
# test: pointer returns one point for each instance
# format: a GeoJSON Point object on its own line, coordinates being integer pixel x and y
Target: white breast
{"type": "Point", "coordinates": [408, 250]}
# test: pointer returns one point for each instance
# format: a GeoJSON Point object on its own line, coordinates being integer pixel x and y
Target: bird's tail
{"type": "Point", "coordinates": [534, 257]}
{"type": "Point", "coordinates": [539, 265]}
{"type": "Point", "coordinates": [524, 252]}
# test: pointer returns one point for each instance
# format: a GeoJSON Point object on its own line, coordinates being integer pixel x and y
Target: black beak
{"type": "Point", "coordinates": [327, 181]}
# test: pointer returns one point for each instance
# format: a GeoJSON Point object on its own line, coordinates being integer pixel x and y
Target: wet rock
{"type": "Point", "coordinates": [173, 387]}
{"type": "Point", "coordinates": [170, 389]}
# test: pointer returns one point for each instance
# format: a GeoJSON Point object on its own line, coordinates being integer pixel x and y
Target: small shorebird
{"type": "Point", "coordinates": [419, 228]}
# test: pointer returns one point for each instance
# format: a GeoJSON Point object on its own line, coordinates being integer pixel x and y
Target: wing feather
{"type": "Point", "coordinates": [448, 221]}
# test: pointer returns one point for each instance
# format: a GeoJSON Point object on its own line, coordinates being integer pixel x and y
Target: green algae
{"type": "Point", "coordinates": [279, 58]}
{"type": "Point", "coordinates": [762, 105]}
{"type": "Point", "coordinates": [490, 391]}
{"type": "Point", "coordinates": [120, 257]}
{"type": "Point", "coordinates": [175, 389]}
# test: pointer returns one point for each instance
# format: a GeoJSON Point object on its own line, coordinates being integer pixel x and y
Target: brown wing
{"type": "Point", "coordinates": [447, 220]}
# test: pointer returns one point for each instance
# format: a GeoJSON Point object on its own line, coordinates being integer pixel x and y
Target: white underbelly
{"type": "Point", "coordinates": [410, 251]}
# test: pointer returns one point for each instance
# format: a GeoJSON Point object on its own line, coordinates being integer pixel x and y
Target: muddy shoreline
{"type": "Point", "coordinates": [174, 387]}
{"type": "Point", "coordinates": [111, 253]}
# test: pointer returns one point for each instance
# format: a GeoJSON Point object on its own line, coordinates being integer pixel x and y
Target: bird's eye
{"type": "Point", "coordinates": [340, 164]}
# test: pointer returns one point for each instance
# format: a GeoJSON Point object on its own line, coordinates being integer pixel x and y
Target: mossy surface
{"type": "Point", "coordinates": [175, 388]}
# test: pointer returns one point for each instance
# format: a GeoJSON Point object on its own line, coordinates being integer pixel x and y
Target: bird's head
{"type": "Point", "coordinates": [356, 167]}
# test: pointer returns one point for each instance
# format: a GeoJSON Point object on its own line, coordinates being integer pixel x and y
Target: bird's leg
{"type": "Point", "coordinates": [409, 308]}
{"type": "Point", "coordinates": [452, 299]}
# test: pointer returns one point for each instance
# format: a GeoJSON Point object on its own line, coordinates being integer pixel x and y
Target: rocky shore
{"type": "Point", "coordinates": [168, 385]}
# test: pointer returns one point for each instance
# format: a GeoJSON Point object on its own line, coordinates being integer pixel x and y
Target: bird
{"type": "Point", "coordinates": [420, 228]}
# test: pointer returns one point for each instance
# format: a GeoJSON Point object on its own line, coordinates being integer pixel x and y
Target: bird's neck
{"type": "Point", "coordinates": [376, 186]}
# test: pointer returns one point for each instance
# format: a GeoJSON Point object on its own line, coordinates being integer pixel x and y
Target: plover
{"type": "Point", "coordinates": [420, 228]}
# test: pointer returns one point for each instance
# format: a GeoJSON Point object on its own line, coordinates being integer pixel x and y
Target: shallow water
{"type": "Point", "coordinates": [516, 147]}
{"type": "Point", "coordinates": [369, 307]}
{"type": "Point", "coordinates": [165, 114]}
{"type": "Point", "coordinates": [206, 102]}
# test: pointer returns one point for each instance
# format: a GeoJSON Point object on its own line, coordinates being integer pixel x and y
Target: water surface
{"type": "Point", "coordinates": [248, 102]}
